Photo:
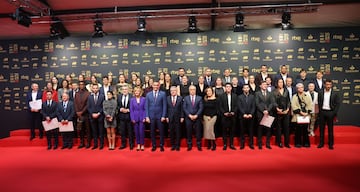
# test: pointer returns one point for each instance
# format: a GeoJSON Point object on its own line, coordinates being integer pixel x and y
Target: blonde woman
{"type": "Point", "coordinates": [137, 116]}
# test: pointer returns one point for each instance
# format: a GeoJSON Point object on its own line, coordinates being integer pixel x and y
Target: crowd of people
{"type": "Point", "coordinates": [175, 106]}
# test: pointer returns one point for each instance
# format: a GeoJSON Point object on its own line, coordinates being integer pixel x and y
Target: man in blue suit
{"type": "Point", "coordinates": [34, 114]}
{"type": "Point", "coordinates": [193, 108]}
{"type": "Point", "coordinates": [49, 111]}
{"type": "Point", "coordinates": [66, 113]}
{"type": "Point", "coordinates": [105, 87]}
{"type": "Point", "coordinates": [96, 115]}
{"type": "Point", "coordinates": [175, 117]}
{"type": "Point", "coordinates": [155, 108]}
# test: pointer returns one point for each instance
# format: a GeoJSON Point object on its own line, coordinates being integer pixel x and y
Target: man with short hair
{"type": "Point", "coordinates": [66, 113]}
{"type": "Point", "coordinates": [123, 102]}
{"type": "Point", "coordinates": [82, 115]}
{"type": "Point", "coordinates": [175, 117]}
{"type": "Point", "coordinates": [246, 108]}
{"type": "Point", "coordinates": [105, 87]}
{"type": "Point", "coordinates": [34, 114]}
{"type": "Point", "coordinates": [260, 77]}
{"type": "Point", "coordinates": [178, 79]}
{"type": "Point", "coordinates": [49, 112]}
{"type": "Point", "coordinates": [227, 78]}
{"type": "Point", "coordinates": [315, 108]}
{"type": "Point", "coordinates": [209, 80]}
{"type": "Point", "coordinates": [96, 114]}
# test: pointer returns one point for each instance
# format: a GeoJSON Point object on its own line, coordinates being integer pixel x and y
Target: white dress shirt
{"type": "Point", "coordinates": [33, 95]}
{"type": "Point", "coordinates": [320, 83]}
{"type": "Point", "coordinates": [326, 102]}
{"type": "Point", "coordinates": [229, 101]}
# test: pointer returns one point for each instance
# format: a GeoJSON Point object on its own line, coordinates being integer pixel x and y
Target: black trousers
{"type": "Point", "coordinates": [97, 127]}
{"type": "Point", "coordinates": [282, 125]}
{"type": "Point", "coordinates": [247, 125]}
{"type": "Point", "coordinates": [67, 138]}
{"type": "Point", "coordinates": [228, 129]}
{"type": "Point", "coordinates": [175, 132]}
{"type": "Point", "coordinates": [85, 129]}
{"type": "Point", "coordinates": [125, 126]}
{"type": "Point", "coordinates": [302, 135]}
{"type": "Point", "coordinates": [327, 118]}
{"type": "Point", "coordinates": [52, 134]}
{"type": "Point", "coordinates": [35, 122]}
{"type": "Point", "coordinates": [189, 127]}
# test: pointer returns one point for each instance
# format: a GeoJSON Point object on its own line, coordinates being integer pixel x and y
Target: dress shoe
{"type": "Point", "coordinates": [224, 148]}
{"type": "Point", "coordinates": [280, 145]}
{"type": "Point", "coordinates": [199, 148]}
{"type": "Point", "coordinates": [331, 147]}
{"type": "Point", "coordinates": [268, 146]}
{"type": "Point", "coordinates": [81, 146]}
{"type": "Point", "coordinates": [173, 148]}
{"type": "Point", "coordinates": [298, 146]}
{"type": "Point", "coordinates": [70, 147]}
{"type": "Point", "coordinates": [122, 147]}
{"type": "Point", "coordinates": [64, 147]}
{"type": "Point", "coordinates": [189, 148]}
{"type": "Point", "coordinates": [287, 146]}
{"type": "Point", "coordinates": [153, 149]}
{"type": "Point", "coordinates": [87, 146]}
{"type": "Point", "coordinates": [232, 147]}
{"type": "Point", "coordinates": [95, 147]}
{"type": "Point", "coordinates": [41, 136]}
{"type": "Point", "coordinates": [320, 146]}
{"type": "Point", "coordinates": [260, 147]}
{"type": "Point", "coordinates": [32, 138]}
{"type": "Point", "coordinates": [55, 147]}
{"type": "Point", "coordinates": [242, 146]}
{"type": "Point", "coordinates": [142, 148]}
{"type": "Point", "coordinates": [177, 148]}
{"type": "Point", "coordinates": [101, 147]}
{"type": "Point", "coordinates": [131, 147]}
{"type": "Point", "coordinates": [49, 147]}
{"type": "Point", "coordinates": [307, 146]}
{"type": "Point", "coordinates": [162, 149]}
{"type": "Point", "coordinates": [251, 147]}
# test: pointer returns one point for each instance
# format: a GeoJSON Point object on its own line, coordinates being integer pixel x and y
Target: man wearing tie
{"type": "Point", "coordinates": [155, 108]}
{"type": "Point", "coordinates": [209, 81]}
{"type": "Point", "coordinates": [227, 78]}
{"type": "Point", "coordinates": [178, 79]}
{"type": "Point", "coordinates": [228, 110]}
{"type": "Point", "coordinates": [66, 113]}
{"type": "Point", "coordinates": [175, 117]}
{"type": "Point", "coordinates": [72, 95]}
{"type": "Point", "coordinates": [34, 114]}
{"type": "Point", "coordinates": [96, 115]}
{"type": "Point", "coordinates": [123, 101]}
{"type": "Point", "coordinates": [246, 108]}
{"type": "Point", "coordinates": [193, 108]}
{"type": "Point", "coordinates": [264, 107]}
{"type": "Point", "coordinates": [49, 112]}
{"type": "Point", "coordinates": [329, 104]}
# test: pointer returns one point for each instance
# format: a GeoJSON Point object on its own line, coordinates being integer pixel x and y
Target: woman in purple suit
{"type": "Point", "coordinates": [137, 116]}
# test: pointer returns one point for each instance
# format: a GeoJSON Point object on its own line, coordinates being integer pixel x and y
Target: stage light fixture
{"type": "Point", "coordinates": [57, 30]}
{"type": "Point", "coordinates": [239, 23]}
{"type": "Point", "coordinates": [286, 21]}
{"type": "Point", "coordinates": [192, 25]}
{"type": "Point", "coordinates": [23, 18]}
{"type": "Point", "coordinates": [141, 24]}
{"type": "Point", "coordinates": [98, 29]}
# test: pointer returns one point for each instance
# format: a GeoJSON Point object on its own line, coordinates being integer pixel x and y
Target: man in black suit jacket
{"type": "Point", "coordinates": [282, 75]}
{"type": "Point", "coordinates": [209, 80]}
{"type": "Point", "coordinates": [329, 103]}
{"type": "Point", "coordinates": [264, 106]}
{"type": "Point", "coordinates": [319, 81]}
{"type": "Point", "coordinates": [34, 114]}
{"type": "Point", "coordinates": [96, 115]}
{"type": "Point", "coordinates": [66, 113]}
{"type": "Point", "coordinates": [123, 102]}
{"type": "Point", "coordinates": [193, 108]}
{"type": "Point", "coordinates": [72, 95]}
{"type": "Point", "coordinates": [105, 87]}
{"type": "Point", "coordinates": [228, 111]}
{"type": "Point", "coordinates": [49, 112]}
{"type": "Point", "coordinates": [175, 117]}
{"type": "Point", "coordinates": [246, 108]}
{"type": "Point", "coordinates": [260, 77]}
{"type": "Point", "coordinates": [178, 79]}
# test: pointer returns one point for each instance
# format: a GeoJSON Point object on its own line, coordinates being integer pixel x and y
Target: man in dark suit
{"type": "Point", "coordinates": [289, 87]}
{"type": "Point", "coordinates": [178, 79]}
{"type": "Point", "coordinates": [34, 114]}
{"type": "Point", "coordinates": [96, 115]}
{"type": "Point", "coordinates": [66, 113]}
{"type": "Point", "coordinates": [105, 87]}
{"type": "Point", "coordinates": [264, 106]}
{"type": "Point", "coordinates": [227, 78]}
{"type": "Point", "coordinates": [123, 102]}
{"type": "Point", "coordinates": [244, 79]}
{"type": "Point", "coordinates": [270, 86]}
{"type": "Point", "coordinates": [72, 95]}
{"type": "Point", "coordinates": [209, 80]}
{"type": "Point", "coordinates": [302, 78]}
{"type": "Point", "coordinates": [228, 110]}
{"type": "Point", "coordinates": [246, 108]}
{"type": "Point", "coordinates": [49, 112]}
{"type": "Point", "coordinates": [175, 117]}
{"type": "Point", "coordinates": [155, 108]}
{"type": "Point", "coordinates": [329, 104]}
{"type": "Point", "coordinates": [82, 115]}
{"type": "Point", "coordinates": [319, 81]}
{"type": "Point", "coordinates": [282, 75]}
{"type": "Point", "coordinates": [260, 77]}
{"type": "Point", "coordinates": [193, 108]}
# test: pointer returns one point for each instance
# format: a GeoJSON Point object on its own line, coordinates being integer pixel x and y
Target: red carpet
{"type": "Point", "coordinates": [34, 168]}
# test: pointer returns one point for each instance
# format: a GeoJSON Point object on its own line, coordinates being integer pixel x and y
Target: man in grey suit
{"type": "Point", "coordinates": [155, 108]}
{"type": "Point", "coordinates": [193, 108]}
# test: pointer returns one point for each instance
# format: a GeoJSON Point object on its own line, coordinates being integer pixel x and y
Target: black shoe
{"type": "Point", "coordinates": [87, 146]}
{"type": "Point", "coordinates": [251, 147]}
{"type": "Point", "coordinates": [331, 147]}
{"type": "Point", "coordinates": [260, 147]}
{"type": "Point", "coordinates": [32, 137]}
{"type": "Point", "coordinates": [41, 136]}
{"type": "Point", "coordinates": [131, 147]}
{"type": "Point", "coordinates": [64, 147]}
{"type": "Point", "coordinates": [153, 149]}
{"type": "Point", "coordinates": [209, 145]}
{"type": "Point", "coordinates": [70, 147]}
{"type": "Point", "coordinates": [298, 146]}
{"type": "Point", "coordinates": [49, 147]}
{"type": "Point", "coordinates": [307, 146]}
{"type": "Point", "coordinates": [280, 145]}
{"type": "Point", "coordinates": [189, 148]}
{"type": "Point", "coordinates": [224, 148]}
{"type": "Point", "coordinates": [81, 146]}
{"type": "Point", "coordinates": [122, 147]}
{"type": "Point", "coordinates": [101, 147]}
{"type": "Point", "coordinates": [320, 146]}
{"type": "Point", "coordinates": [268, 146]}
{"type": "Point", "coordinates": [162, 149]}
{"type": "Point", "coordinates": [287, 146]}
{"type": "Point", "coordinates": [232, 147]}
{"type": "Point", "coordinates": [242, 146]}
{"type": "Point", "coordinates": [95, 147]}
{"type": "Point", "coordinates": [199, 148]}
{"type": "Point", "coordinates": [55, 147]}
{"type": "Point", "coordinates": [173, 148]}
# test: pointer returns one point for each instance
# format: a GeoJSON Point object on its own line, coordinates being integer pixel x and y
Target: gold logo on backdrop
{"type": "Point", "coordinates": [300, 57]}
{"type": "Point", "coordinates": [279, 57]}
{"type": "Point", "coordinates": [289, 50]}
{"type": "Point", "coordinates": [301, 50]}
{"type": "Point", "coordinates": [311, 58]}
{"type": "Point", "coordinates": [334, 49]}
{"type": "Point", "coordinates": [256, 39]}
{"type": "Point", "coordinates": [352, 69]}
{"type": "Point", "coordinates": [168, 54]}
{"type": "Point", "coordinates": [222, 60]}
{"type": "Point", "coordinates": [157, 60]}
{"type": "Point", "coordinates": [228, 40]}
{"type": "Point", "coordinates": [134, 43]}
{"type": "Point", "coordinates": [337, 37]}
{"type": "Point", "coordinates": [201, 52]}
{"type": "Point", "coordinates": [168, 60]}
{"type": "Point", "coordinates": [178, 53]}
{"type": "Point", "coordinates": [323, 50]}
{"type": "Point", "coordinates": [334, 56]}
{"type": "Point", "coordinates": [345, 82]}
{"type": "Point", "coordinates": [114, 62]}
{"type": "Point", "coordinates": [345, 49]}
{"type": "Point", "coordinates": [269, 39]}
{"type": "Point", "coordinates": [233, 52]}
{"type": "Point", "coordinates": [311, 50]}
{"type": "Point", "coordinates": [310, 38]}
{"type": "Point", "coordinates": [174, 41]}
{"type": "Point", "coordinates": [296, 38]}
{"type": "Point", "coordinates": [146, 55]}
{"type": "Point", "coordinates": [267, 58]}
{"type": "Point", "coordinates": [189, 54]}
{"type": "Point", "coordinates": [188, 41]}
{"type": "Point", "coordinates": [267, 51]}
{"type": "Point", "coordinates": [357, 87]}
{"type": "Point", "coordinates": [338, 69]}
{"type": "Point", "coordinates": [346, 56]}
{"type": "Point", "coordinates": [201, 59]}
{"type": "Point", "coordinates": [256, 51]}
{"type": "Point", "coordinates": [222, 52]}
{"type": "Point", "coordinates": [357, 56]}
{"type": "Point", "coordinates": [278, 51]}
{"type": "Point", "coordinates": [290, 57]}
{"type": "Point", "coordinates": [214, 40]}
{"type": "Point", "coordinates": [212, 52]}
{"type": "Point", "coordinates": [352, 37]}
{"type": "Point", "coordinates": [178, 61]}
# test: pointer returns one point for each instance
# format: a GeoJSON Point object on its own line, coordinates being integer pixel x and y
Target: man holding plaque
{"type": "Point", "coordinates": [49, 112]}
{"type": "Point", "coordinates": [66, 113]}
{"type": "Point", "coordinates": [32, 98]}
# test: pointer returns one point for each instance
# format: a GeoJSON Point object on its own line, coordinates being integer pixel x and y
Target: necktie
{"type": "Point", "coordinates": [95, 98]}
{"type": "Point", "coordinates": [312, 96]}
{"type": "Point", "coordinates": [208, 81]}
{"type": "Point", "coordinates": [173, 101]}
{"type": "Point", "coordinates": [264, 93]}
{"type": "Point", "coordinates": [155, 95]}
{"type": "Point", "coordinates": [49, 103]}
{"type": "Point", "coordinates": [124, 102]}
{"type": "Point", "coordinates": [64, 107]}
{"type": "Point", "coordinates": [192, 101]}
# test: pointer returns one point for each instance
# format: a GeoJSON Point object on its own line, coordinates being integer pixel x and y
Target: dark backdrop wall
{"type": "Point", "coordinates": [335, 51]}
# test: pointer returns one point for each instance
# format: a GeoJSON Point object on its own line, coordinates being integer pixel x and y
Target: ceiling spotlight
{"type": "Point", "coordinates": [141, 23]}
{"type": "Point", "coordinates": [23, 18]}
{"type": "Point", "coordinates": [58, 30]}
{"type": "Point", "coordinates": [239, 23]}
{"type": "Point", "coordinates": [285, 21]}
{"type": "Point", "coordinates": [192, 25]}
{"type": "Point", "coordinates": [98, 30]}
